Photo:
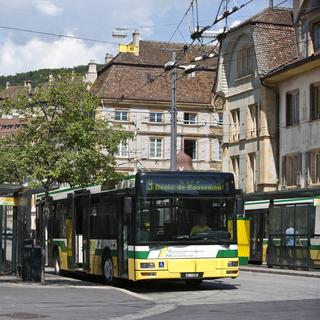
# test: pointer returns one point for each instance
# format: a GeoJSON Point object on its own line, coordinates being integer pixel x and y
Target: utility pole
{"type": "Point", "coordinates": [173, 163]}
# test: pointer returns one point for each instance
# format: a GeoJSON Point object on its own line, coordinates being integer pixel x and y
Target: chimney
{"type": "Point", "coordinates": [270, 3]}
{"type": "Point", "coordinates": [136, 40]}
{"type": "Point", "coordinates": [92, 73]}
{"type": "Point", "coordinates": [108, 58]}
{"type": "Point", "coordinates": [28, 85]}
{"type": "Point", "coordinates": [51, 78]}
{"type": "Point", "coordinates": [7, 84]}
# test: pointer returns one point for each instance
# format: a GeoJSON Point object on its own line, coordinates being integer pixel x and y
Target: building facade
{"type": "Point", "coordinates": [135, 92]}
{"type": "Point", "coordinates": [298, 87]}
{"type": "Point", "coordinates": [248, 52]}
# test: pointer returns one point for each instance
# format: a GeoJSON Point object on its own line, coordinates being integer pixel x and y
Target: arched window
{"type": "Point", "coordinates": [245, 61]}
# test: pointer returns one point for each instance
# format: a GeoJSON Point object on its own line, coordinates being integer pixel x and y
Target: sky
{"type": "Point", "coordinates": [157, 20]}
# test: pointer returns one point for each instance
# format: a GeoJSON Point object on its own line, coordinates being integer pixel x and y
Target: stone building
{"type": "Point", "coordinates": [250, 139]}
{"type": "Point", "coordinates": [135, 92]}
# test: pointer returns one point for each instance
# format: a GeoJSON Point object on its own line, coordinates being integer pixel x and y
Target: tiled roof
{"type": "Point", "coordinates": [279, 16]}
{"type": "Point", "coordinates": [10, 125]}
{"type": "Point", "coordinates": [274, 46]}
{"type": "Point", "coordinates": [145, 84]}
{"type": "Point", "coordinates": [13, 91]}
{"type": "Point", "coordinates": [143, 78]}
{"type": "Point", "coordinates": [273, 38]}
{"type": "Point", "coordinates": [158, 53]}
{"type": "Point", "coordinates": [275, 16]}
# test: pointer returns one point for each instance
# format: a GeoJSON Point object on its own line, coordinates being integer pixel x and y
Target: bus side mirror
{"type": "Point", "coordinates": [127, 206]}
{"type": "Point", "coordinates": [239, 203]}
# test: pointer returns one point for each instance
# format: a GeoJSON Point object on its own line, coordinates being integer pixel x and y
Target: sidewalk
{"type": "Point", "coordinates": [50, 280]}
{"type": "Point", "coordinates": [276, 270]}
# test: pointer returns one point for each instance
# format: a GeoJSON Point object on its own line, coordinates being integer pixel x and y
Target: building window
{"type": "Point", "coordinates": [291, 169]}
{"type": "Point", "coordinates": [155, 117]}
{"type": "Point", "coordinates": [121, 115]}
{"type": "Point", "coordinates": [251, 183]}
{"type": "Point", "coordinates": [190, 148]}
{"type": "Point", "coordinates": [245, 61]}
{"type": "Point", "coordinates": [235, 169]}
{"type": "Point", "coordinates": [315, 167]}
{"type": "Point", "coordinates": [235, 125]}
{"type": "Point", "coordinates": [252, 121]}
{"type": "Point", "coordinates": [292, 108]}
{"type": "Point", "coordinates": [315, 101]}
{"type": "Point", "coordinates": [123, 149]}
{"type": "Point", "coordinates": [217, 150]}
{"type": "Point", "coordinates": [316, 36]}
{"type": "Point", "coordinates": [155, 148]}
{"type": "Point", "coordinates": [189, 118]}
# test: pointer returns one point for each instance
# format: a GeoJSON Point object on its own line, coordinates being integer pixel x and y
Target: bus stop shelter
{"type": "Point", "coordinates": [13, 225]}
{"type": "Point", "coordinates": [292, 226]}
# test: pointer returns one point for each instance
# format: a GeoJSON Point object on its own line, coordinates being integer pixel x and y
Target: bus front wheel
{"type": "Point", "coordinates": [193, 283]}
{"type": "Point", "coordinates": [107, 270]}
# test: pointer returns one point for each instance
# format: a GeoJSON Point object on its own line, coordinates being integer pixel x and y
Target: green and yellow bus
{"type": "Point", "coordinates": [166, 225]}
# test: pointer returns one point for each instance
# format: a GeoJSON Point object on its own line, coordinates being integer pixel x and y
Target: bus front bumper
{"type": "Point", "coordinates": [186, 269]}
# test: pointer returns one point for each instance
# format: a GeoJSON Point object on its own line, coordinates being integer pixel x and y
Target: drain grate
{"type": "Point", "coordinates": [23, 315]}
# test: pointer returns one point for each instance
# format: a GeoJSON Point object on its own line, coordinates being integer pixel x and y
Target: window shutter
{"type": "Point", "coordinates": [299, 171]}
{"type": "Point", "coordinates": [312, 102]}
{"type": "Point", "coordinates": [307, 168]}
{"type": "Point", "coordinates": [283, 176]}
{"type": "Point", "coordinates": [215, 146]}
{"type": "Point", "coordinates": [297, 107]}
{"type": "Point", "coordinates": [288, 110]}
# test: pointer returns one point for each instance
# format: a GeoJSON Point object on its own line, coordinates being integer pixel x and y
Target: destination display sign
{"type": "Point", "coordinates": [184, 185]}
{"type": "Point", "coordinates": [187, 185]}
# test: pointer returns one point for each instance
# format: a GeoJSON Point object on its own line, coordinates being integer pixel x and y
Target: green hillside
{"type": "Point", "coordinates": [39, 77]}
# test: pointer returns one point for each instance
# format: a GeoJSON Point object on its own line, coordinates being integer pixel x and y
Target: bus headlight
{"type": "Point", "coordinates": [147, 265]}
{"type": "Point", "coordinates": [233, 264]}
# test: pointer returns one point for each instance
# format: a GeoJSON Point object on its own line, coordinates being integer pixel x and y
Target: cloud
{"type": "Point", "coordinates": [37, 54]}
{"type": "Point", "coordinates": [47, 7]}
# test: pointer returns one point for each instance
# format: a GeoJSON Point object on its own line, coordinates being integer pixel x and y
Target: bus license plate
{"type": "Point", "coordinates": [191, 275]}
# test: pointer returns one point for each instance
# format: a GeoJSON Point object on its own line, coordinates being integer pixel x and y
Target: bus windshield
{"type": "Point", "coordinates": [185, 220]}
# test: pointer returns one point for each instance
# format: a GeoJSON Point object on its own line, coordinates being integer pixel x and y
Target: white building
{"type": "Point", "coordinates": [298, 87]}
{"type": "Point", "coordinates": [135, 92]}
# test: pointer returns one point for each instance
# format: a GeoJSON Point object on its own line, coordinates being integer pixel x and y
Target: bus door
{"type": "Point", "coordinates": [257, 221]}
{"type": "Point", "coordinates": [81, 229]}
{"type": "Point", "coordinates": [123, 235]}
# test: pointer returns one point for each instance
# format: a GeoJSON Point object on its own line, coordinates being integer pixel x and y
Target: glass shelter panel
{"type": "Point", "coordinates": [295, 245]}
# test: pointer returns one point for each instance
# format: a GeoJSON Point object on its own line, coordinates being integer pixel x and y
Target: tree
{"type": "Point", "coordinates": [61, 140]}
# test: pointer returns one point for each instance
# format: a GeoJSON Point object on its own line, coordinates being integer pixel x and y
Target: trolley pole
{"type": "Point", "coordinates": [173, 163]}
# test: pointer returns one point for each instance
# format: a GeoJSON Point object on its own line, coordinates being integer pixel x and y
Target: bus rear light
{"type": "Point", "coordinates": [148, 274]}
{"type": "Point", "coordinates": [147, 265]}
{"type": "Point", "coordinates": [233, 263]}
{"type": "Point", "coordinates": [232, 271]}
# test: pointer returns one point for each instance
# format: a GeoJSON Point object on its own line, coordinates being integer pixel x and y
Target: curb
{"type": "Point", "coordinates": [288, 272]}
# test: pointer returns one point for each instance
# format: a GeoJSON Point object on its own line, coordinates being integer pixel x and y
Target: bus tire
{"type": "Point", "coordinates": [193, 283]}
{"type": "Point", "coordinates": [107, 270]}
{"type": "Point", "coordinates": [56, 262]}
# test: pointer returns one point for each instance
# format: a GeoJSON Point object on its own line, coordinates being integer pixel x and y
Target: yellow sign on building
{"type": "Point", "coordinates": [128, 48]}
{"type": "Point", "coordinates": [8, 201]}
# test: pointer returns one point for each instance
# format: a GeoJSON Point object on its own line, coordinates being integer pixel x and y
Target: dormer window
{"type": "Point", "coordinates": [245, 61]}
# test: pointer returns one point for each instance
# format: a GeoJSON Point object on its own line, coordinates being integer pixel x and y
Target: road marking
{"type": "Point", "coordinates": [156, 310]}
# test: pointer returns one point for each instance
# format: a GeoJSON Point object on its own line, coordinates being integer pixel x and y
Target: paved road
{"type": "Point", "coordinates": [251, 296]}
